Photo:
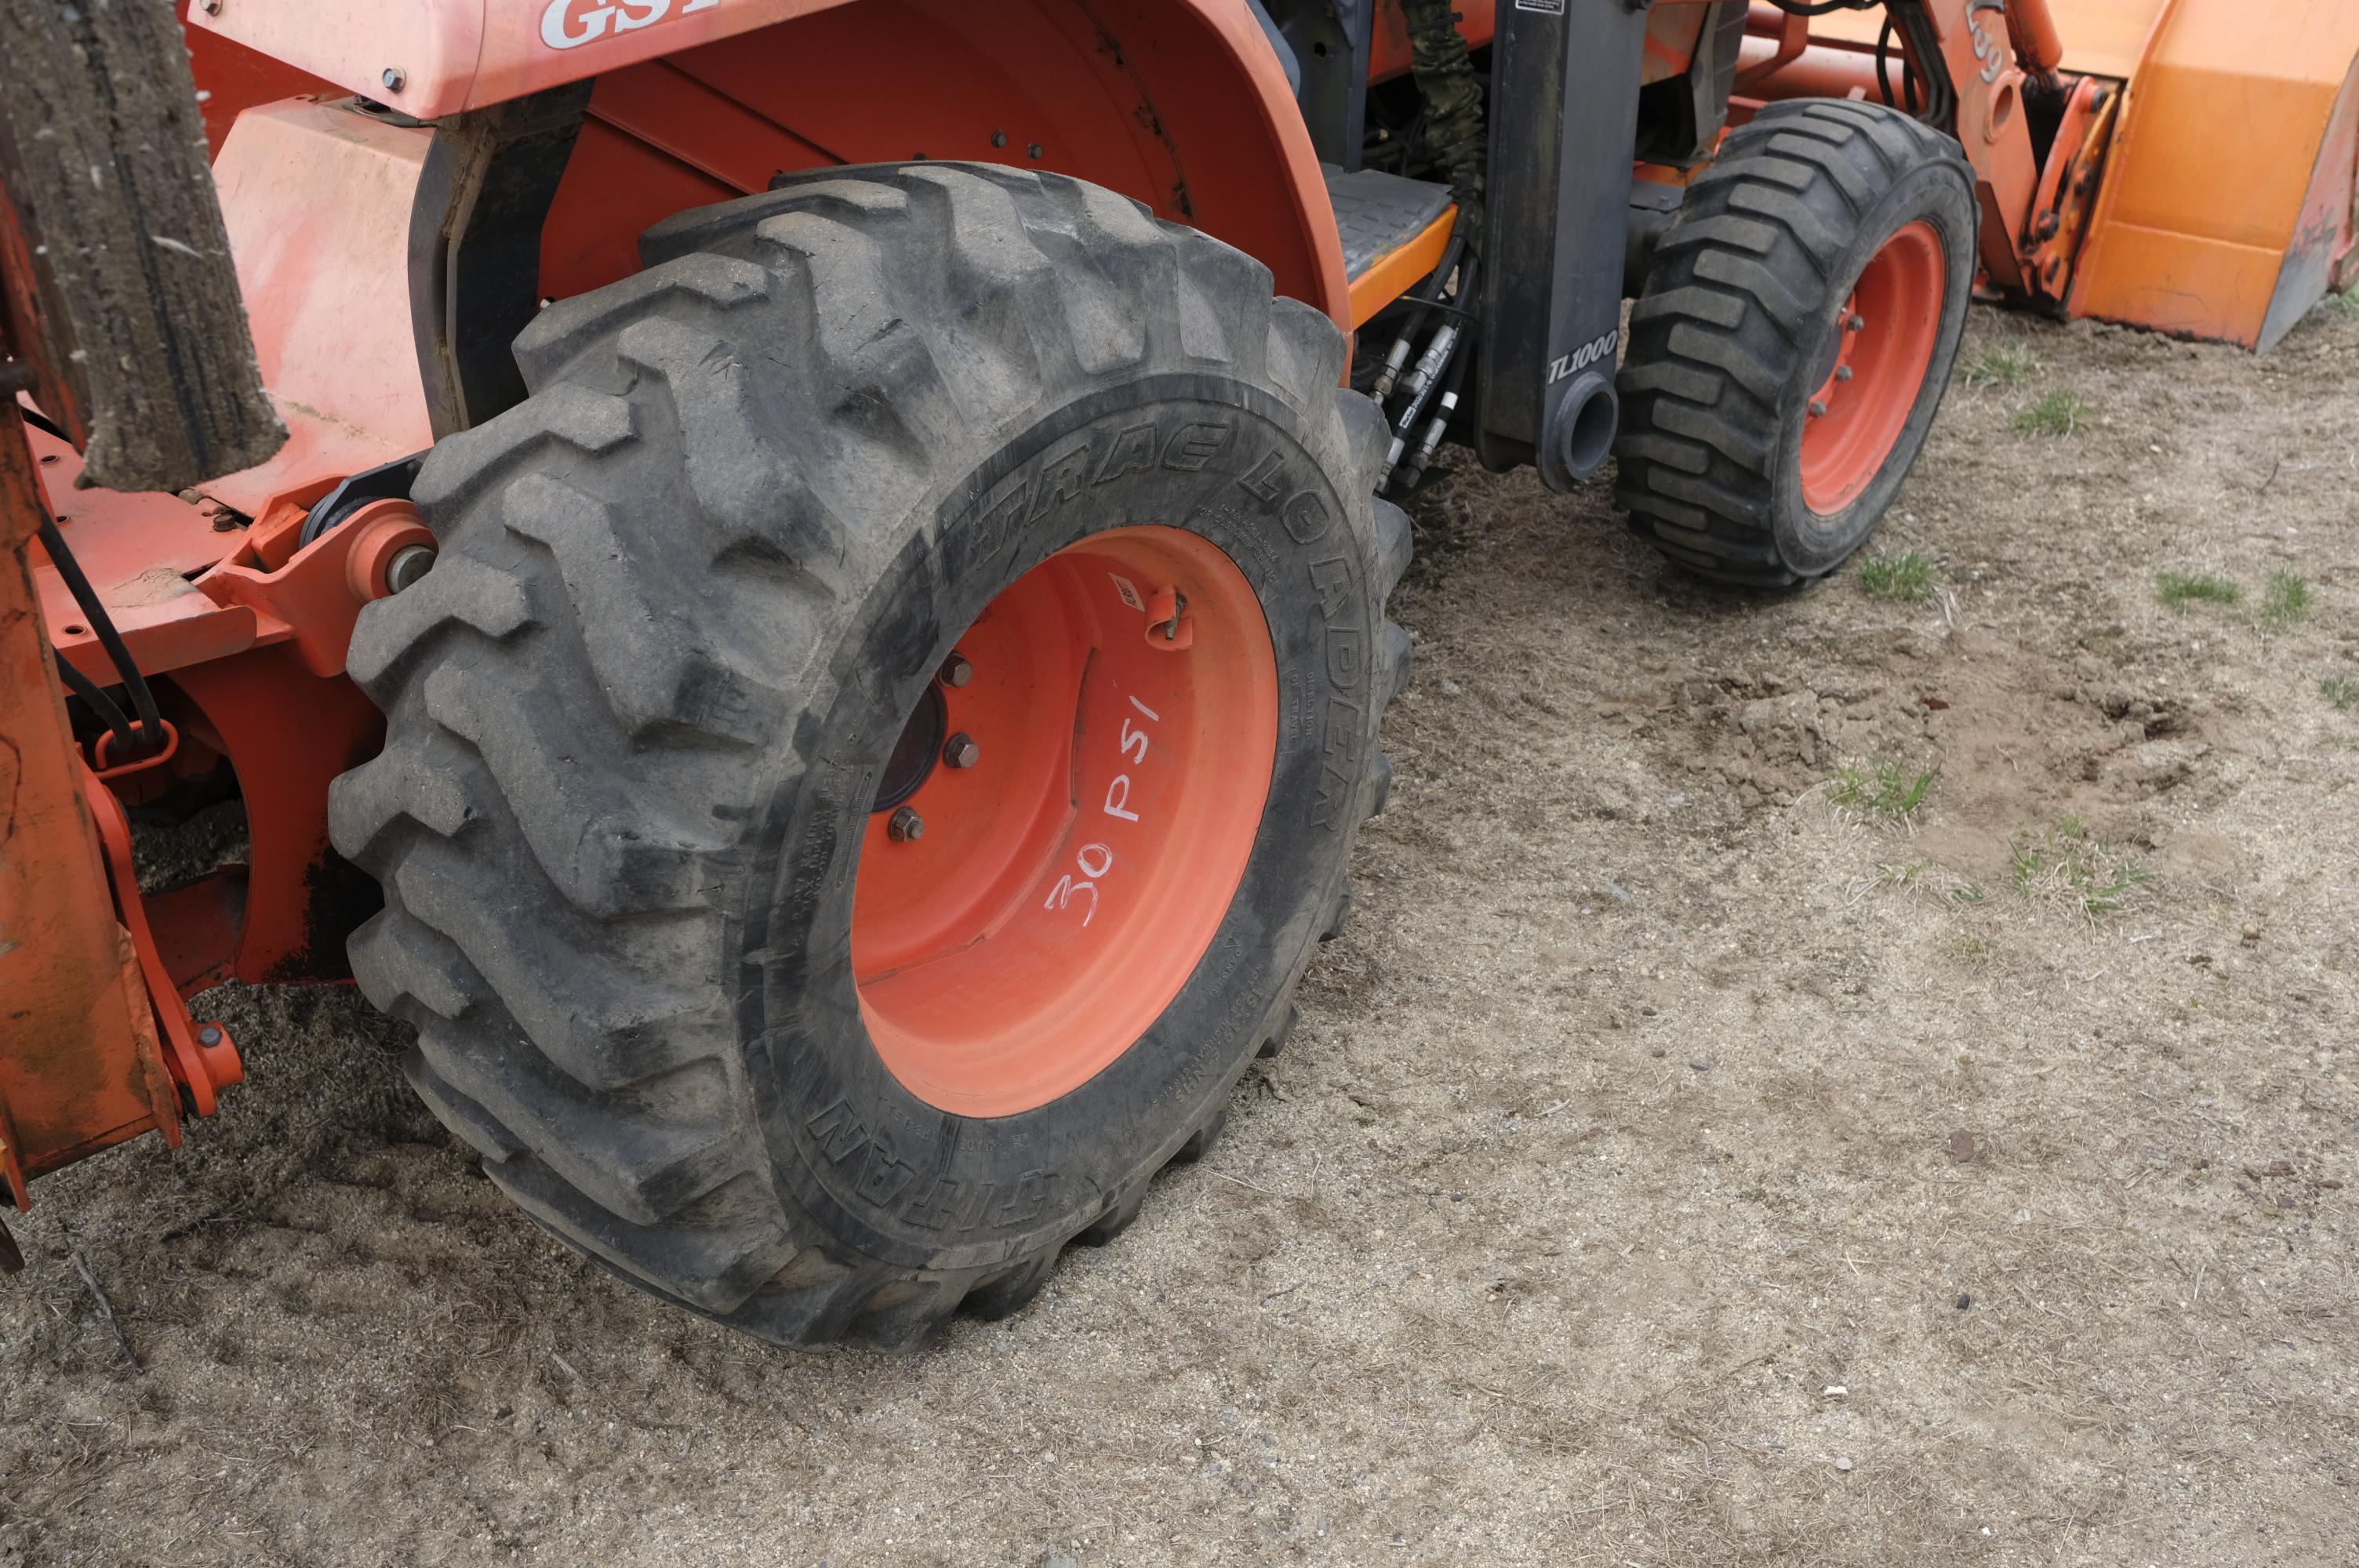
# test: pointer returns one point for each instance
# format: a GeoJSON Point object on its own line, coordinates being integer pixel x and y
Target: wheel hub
{"type": "Point", "coordinates": [1108, 758]}
{"type": "Point", "coordinates": [912, 760]}
{"type": "Point", "coordinates": [1883, 340]}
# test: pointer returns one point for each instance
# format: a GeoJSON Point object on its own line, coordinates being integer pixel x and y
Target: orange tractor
{"type": "Point", "coordinates": [818, 631]}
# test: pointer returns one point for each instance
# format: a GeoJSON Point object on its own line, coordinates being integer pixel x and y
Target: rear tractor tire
{"type": "Point", "coordinates": [1794, 341]}
{"type": "Point", "coordinates": [880, 742]}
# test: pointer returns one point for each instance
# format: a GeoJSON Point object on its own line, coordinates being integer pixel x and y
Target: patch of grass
{"type": "Point", "coordinates": [2345, 304]}
{"type": "Point", "coordinates": [2288, 599]}
{"type": "Point", "coordinates": [1883, 787]}
{"type": "Point", "coordinates": [1904, 579]}
{"type": "Point", "coordinates": [2057, 413]}
{"type": "Point", "coordinates": [2066, 866]}
{"type": "Point", "coordinates": [2005, 364]}
{"type": "Point", "coordinates": [1972, 949]}
{"type": "Point", "coordinates": [2179, 590]}
{"type": "Point", "coordinates": [2340, 690]}
{"type": "Point", "coordinates": [1904, 873]}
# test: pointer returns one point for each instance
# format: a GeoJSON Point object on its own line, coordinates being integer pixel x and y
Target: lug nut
{"type": "Point", "coordinates": [905, 825]}
{"type": "Point", "coordinates": [1857, 323]}
{"type": "Point", "coordinates": [1817, 408]}
{"type": "Point", "coordinates": [409, 564]}
{"type": "Point", "coordinates": [961, 752]}
{"type": "Point", "coordinates": [955, 671]}
{"type": "Point", "coordinates": [1842, 372]}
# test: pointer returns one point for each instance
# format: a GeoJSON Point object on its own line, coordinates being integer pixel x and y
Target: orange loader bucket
{"type": "Point", "coordinates": [2230, 204]}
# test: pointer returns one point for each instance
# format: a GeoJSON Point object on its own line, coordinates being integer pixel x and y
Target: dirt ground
{"type": "Point", "coordinates": [1684, 1160]}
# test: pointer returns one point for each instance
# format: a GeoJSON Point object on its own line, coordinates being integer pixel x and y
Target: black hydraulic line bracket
{"type": "Point", "coordinates": [387, 482]}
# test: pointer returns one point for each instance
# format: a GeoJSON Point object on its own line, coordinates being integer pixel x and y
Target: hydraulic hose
{"type": "Point", "coordinates": [150, 733]}
{"type": "Point", "coordinates": [109, 711]}
{"type": "Point", "coordinates": [1429, 371]}
{"type": "Point", "coordinates": [1434, 428]}
{"type": "Point", "coordinates": [1399, 357]}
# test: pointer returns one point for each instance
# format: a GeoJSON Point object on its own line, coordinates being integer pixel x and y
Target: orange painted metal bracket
{"type": "Point", "coordinates": [259, 634]}
{"type": "Point", "coordinates": [14, 1182]}
{"type": "Point", "coordinates": [200, 1057]}
{"type": "Point", "coordinates": [2069, 185]}
{"type": "Point", "coordinates": [309, 596]}
{"type": "Point", "coordinates": [1793, 37]}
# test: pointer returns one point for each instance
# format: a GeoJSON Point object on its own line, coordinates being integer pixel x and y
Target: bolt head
{"type": "Point", "coordinates": [395, 78]}
{"type": "Point", "coordinates": [409, 564]}
{"type": "Point", "coordinates": [1817, 408]}
{"type": "Point", "coordinates": [210, 7]}
{"type": "Point", "coordinates": [961, 752]}
{"type": "Point", "coordinates": [903, 825]}
{"type": "Point", "coordinates": [210, 1034]}
{"type": "Point", "coordinates": [1857, 324]}
{"type": "Point", "coordinates": [998, 138]}
{"type": "Point", "coordinates": [1842, 372]}
{"type": "Point", "coordinates": [955, 671]}
{"type": "Point", "coordinates": [1033, 151]}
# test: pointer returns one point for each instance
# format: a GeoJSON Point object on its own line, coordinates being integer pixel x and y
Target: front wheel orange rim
{"type": "Point", "coordinates": [1066, 821]}
{"type": "Point", "coordinates": [1885, 341]}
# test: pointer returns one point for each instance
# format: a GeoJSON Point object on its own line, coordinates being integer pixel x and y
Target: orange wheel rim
{"type": "Point", "coordinates": [1083, 807]}
{"type": "Point", "coordinates": [1885, 337]}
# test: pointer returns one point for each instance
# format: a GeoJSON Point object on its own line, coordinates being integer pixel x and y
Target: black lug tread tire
{"type": "Point", "coordinates": [581, 720]}
{"type": "Point", "coordinates": [1723, 347]}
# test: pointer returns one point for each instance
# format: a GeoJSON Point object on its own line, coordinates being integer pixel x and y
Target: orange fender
{"type": "Point", "coordinates": [1180, 104]}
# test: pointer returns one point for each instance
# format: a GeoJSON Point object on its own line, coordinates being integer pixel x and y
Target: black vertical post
{"type": "Point", "coordinates": [1564, 120]}
{"type": "Point", "coordinates": [1331, 40]}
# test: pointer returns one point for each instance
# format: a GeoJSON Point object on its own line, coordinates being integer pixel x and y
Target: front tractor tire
{"type": "Point", "coordinates": [881, 740]}
{"type": "Point", "coordinates": [1794, 341]}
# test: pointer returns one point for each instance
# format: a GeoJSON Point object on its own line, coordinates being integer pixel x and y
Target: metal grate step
{"type": "Point", "coordinates": [1379, 212]}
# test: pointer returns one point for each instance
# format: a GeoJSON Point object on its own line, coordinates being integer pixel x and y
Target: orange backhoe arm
{"type": "Point", "coordinates": [120, 323]}
{"type": "Point", "coordinates": [81, 1064]}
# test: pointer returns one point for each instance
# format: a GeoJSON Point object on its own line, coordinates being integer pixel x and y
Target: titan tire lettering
{"type": "Point", "coordinates": [1261, 479]}
{"type": "Point", "coordinates": [1194, 446]}
{"type": "Point", "coordinates": [1133, 448]}
{"type": "Point", "coordinates": [1346, 648]}
{"type": "Point", "coordinates": [1062, 482]}
{"type": "Point", "coordinates": [839, 1132]}
{"type": "Point", "coordinates": [1332, 577]}
{"type": "Point", "coordinates": [1306, 518]}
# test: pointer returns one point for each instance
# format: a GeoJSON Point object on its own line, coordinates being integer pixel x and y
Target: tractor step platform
{"type": "Point", "coordinates": [1394, 232]}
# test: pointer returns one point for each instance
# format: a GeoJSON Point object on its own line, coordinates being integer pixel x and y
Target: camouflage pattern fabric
{"type": "Point", "coordinates": [1454, 136]}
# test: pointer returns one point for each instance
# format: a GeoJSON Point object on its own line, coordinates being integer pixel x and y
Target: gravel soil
{"type": "Point", "coordinates": [1695, 1153]}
